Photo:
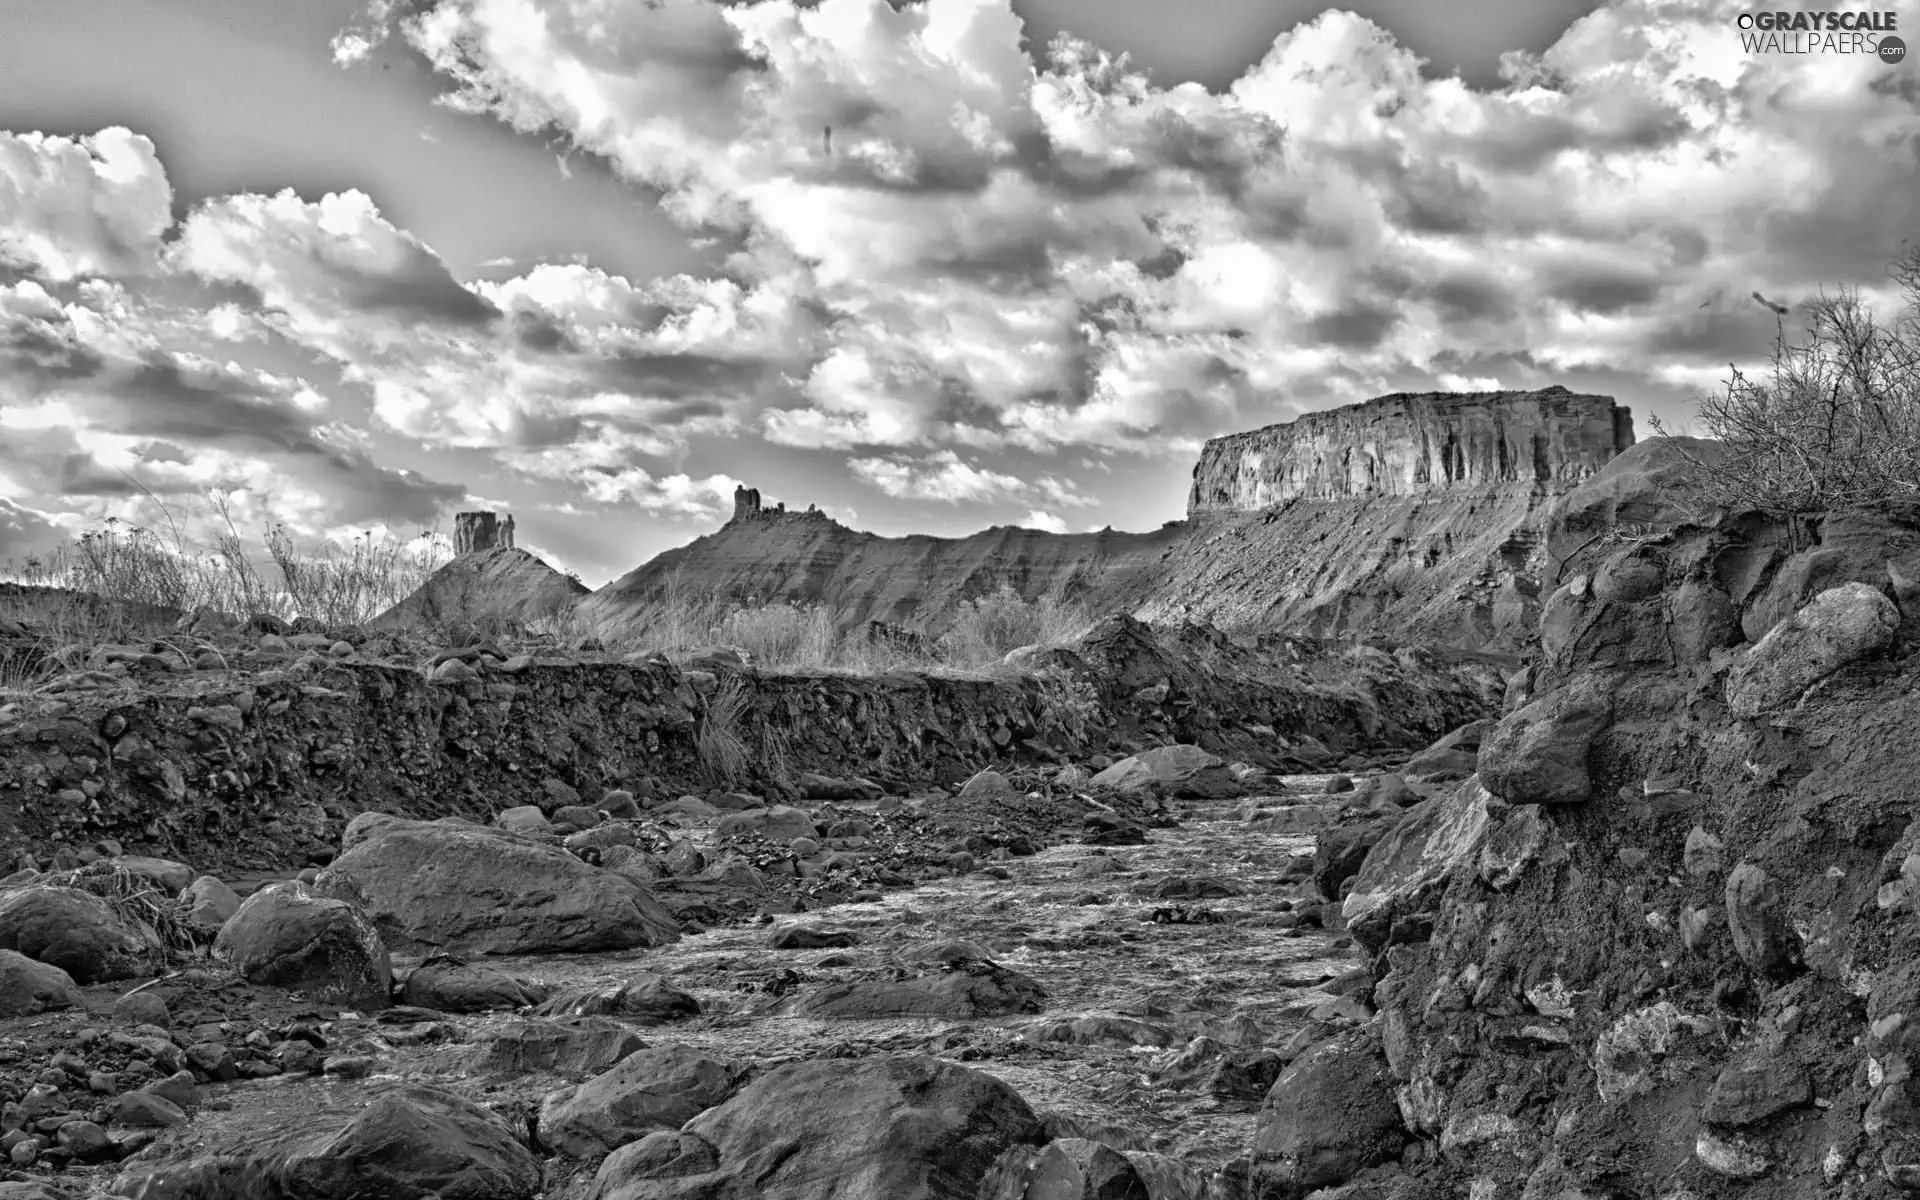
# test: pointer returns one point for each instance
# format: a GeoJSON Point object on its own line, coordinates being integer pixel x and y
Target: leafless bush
{"type": "Point", "coordinates": [1835, 422]}
{"type": "Point", "coordinates": [124, 564]}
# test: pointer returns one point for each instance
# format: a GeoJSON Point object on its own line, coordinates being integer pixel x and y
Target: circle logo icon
{"type": "Point", "coordinates": [1892, 50]}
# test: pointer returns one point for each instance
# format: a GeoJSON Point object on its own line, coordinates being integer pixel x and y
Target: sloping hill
{"type": "Point", "coordinates": [502, 583]}
{"type": "Point", "coordinates": [1411, 516]}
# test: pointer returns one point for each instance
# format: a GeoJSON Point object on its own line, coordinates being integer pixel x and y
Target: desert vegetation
{"type": "Point", "coordinates": [1833, 421]}
{"type": "Point", "coordinates": [787, 636]}
{"type": "Point", "coordinates": [134, 568]}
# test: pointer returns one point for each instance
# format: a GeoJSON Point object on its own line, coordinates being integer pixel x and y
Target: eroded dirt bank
{"type": "Point", "coordinates": [1664, 943]}
{"type": "Point", "coordinates": [259, 757]}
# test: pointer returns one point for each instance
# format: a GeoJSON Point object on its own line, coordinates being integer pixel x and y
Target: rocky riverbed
{"type": "Point", "coordinates": [1141, 997]}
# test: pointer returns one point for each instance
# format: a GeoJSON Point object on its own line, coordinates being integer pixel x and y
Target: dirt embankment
{"type": "Point", "coordinates": [254, 765]}
{"type": "Point", "coordinates": [1663, 945]}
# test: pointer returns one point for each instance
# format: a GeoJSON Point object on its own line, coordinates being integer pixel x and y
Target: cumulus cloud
{"type": "Point", "coordinates": [98, 417]}
{"type": "Point", "coordinates": [973, 275]}
{"type": "Point", "coordinates": [72, 207]}
{"type": "Point", "coordinates": [1044, 521]}
{"type": "Point", "coordinates": [1038, 256]}
{"type": "Point", "coordinates": [945, 477]}
{"type": "Point", "coordinates": [942, 476]}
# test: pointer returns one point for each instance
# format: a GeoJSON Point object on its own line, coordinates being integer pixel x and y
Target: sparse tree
{"type": "Point", "coordinates": [1835, 422]}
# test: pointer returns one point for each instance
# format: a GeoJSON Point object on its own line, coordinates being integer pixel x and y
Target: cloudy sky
{"type": "Point", "coordinates": [932, 266]}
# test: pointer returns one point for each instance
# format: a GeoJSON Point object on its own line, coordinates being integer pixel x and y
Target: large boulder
{"type": "Point", "coordinates": [581, 1045]}
{"type": "Point", "coordinates": [1404, 871]}
{"type": "Point", "coordinates": [28, 987]}
{"type": "Point", "coordinates": [78, 932]}
{"type": "Point", "coordinates": [1329, 1116]}
{"type": "Point", "coordinates": [777, 824]}
{"type": "Point", "coordinates": [1338, 851]}
{"type": "Point", "coordinates": [1130, 775]}
{"type": "Point", "coordinates": [1067, 1169]}
{"type": "Point", "coordinates": [644, 996]}
{"type": "Point", "coordinates": [449, 983]}
{"type": "Point", "coordinates": [286, 936]}
{"type": "Point", "coordinates": [1538, 755]}
{"type": "Point", "coordinates": [466, 888]}
{"type": "Point", "coordinates": [1841, 625]}
{"type": "Point", "coordinates": [207, 904]}
{"type": "Point", "coordinates": [408, 1143]}
{"type": "Point", "coordinates": [909, 1128]}
{"type": "Point", "coordinates": [1190, 772]}
{"type": "Point", "coordinates": [659, 1088]}
{"type": "Point", "coordinates": [1453, 757]}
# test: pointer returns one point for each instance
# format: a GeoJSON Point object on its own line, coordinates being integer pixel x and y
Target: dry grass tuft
{"type": "Point", "coordinates": [123, 581]}
{"type": "Point", "coordinates": [722, 752]}
{"type": "Point", "coordinates": [806, 637]}
{"type": "Point", "coordinates": [133, 898]}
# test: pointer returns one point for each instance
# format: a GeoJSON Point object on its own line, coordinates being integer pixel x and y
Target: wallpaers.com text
{"type": "Point", "coordinates": [1857, 32]}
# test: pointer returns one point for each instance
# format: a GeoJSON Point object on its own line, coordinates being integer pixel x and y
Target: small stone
{"type": "Point", "coordinates": [143, 1008]}
{"type": "Point", "coordinates": [1761, 935]}
{"type": "Point", "coordinates": [1729, 1157]}
{"type": "Point", "coordinates": [146, 1110]}
{"type": "Point", "coordinates": [180, 1089]}
{"type": "Point", "coordinates": [213, 1061]}
{"type": "Point", "coordinates": [1704, 856]}
{"type": "Point", "coordinates": [350, 1066]}
{"type": "Point", "coordinates": [85, 1141]}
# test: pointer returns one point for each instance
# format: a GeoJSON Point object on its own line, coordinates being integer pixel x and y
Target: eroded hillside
{"type": "Point", "coordinates": [1412, 516]}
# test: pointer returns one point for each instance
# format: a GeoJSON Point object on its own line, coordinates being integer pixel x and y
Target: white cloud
{"type": "Point", "coordinates": [1022, 257]}
{"type": "Point", "coordinates": [72, 207]}
{"type": "Point", "coordinates": [350, 49]}
{"type": "Point", "coordinates": [942, 476]}
{"type": "Point", "coordinates": [1044, 521]}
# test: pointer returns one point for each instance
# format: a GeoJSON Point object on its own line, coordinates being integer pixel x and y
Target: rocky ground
{"type": "Point", "coordinates": [1139, 995]}
{"type": "Point", "coordinates": [1646, 931]}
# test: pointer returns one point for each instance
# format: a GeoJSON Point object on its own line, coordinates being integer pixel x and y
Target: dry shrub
{"type": "Point", "coordinates": [132, 568]}
{"type": "Point", "coordinates": [1835, 422]}
{"type": "Point", "coordinates": [133, 898]}
{"type": "Point", "coordinates": [807, 637]}
{"type": "Point", "coordinates": [782, 636]}
{"type": "Point", "coordinates": [717, 741]}
{"type": "Point", "coordinates": [985, 629]}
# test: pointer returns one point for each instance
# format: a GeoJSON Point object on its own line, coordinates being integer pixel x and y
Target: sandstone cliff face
{"type": "Point", "coordinates": [1408, 444]}
{"type": "Point", "coordinates": [1422, 524]}
{"type": "Point", "coordinates": [474, 532]}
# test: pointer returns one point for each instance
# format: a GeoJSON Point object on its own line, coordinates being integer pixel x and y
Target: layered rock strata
{"type": "Point", "coordinates": [1410, 444]}
{"type": "Point", "coordinates": [1415, 518]}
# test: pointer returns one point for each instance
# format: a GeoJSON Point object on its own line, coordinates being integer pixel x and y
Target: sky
{"type": "Point", "coordinates": [932, 266]}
